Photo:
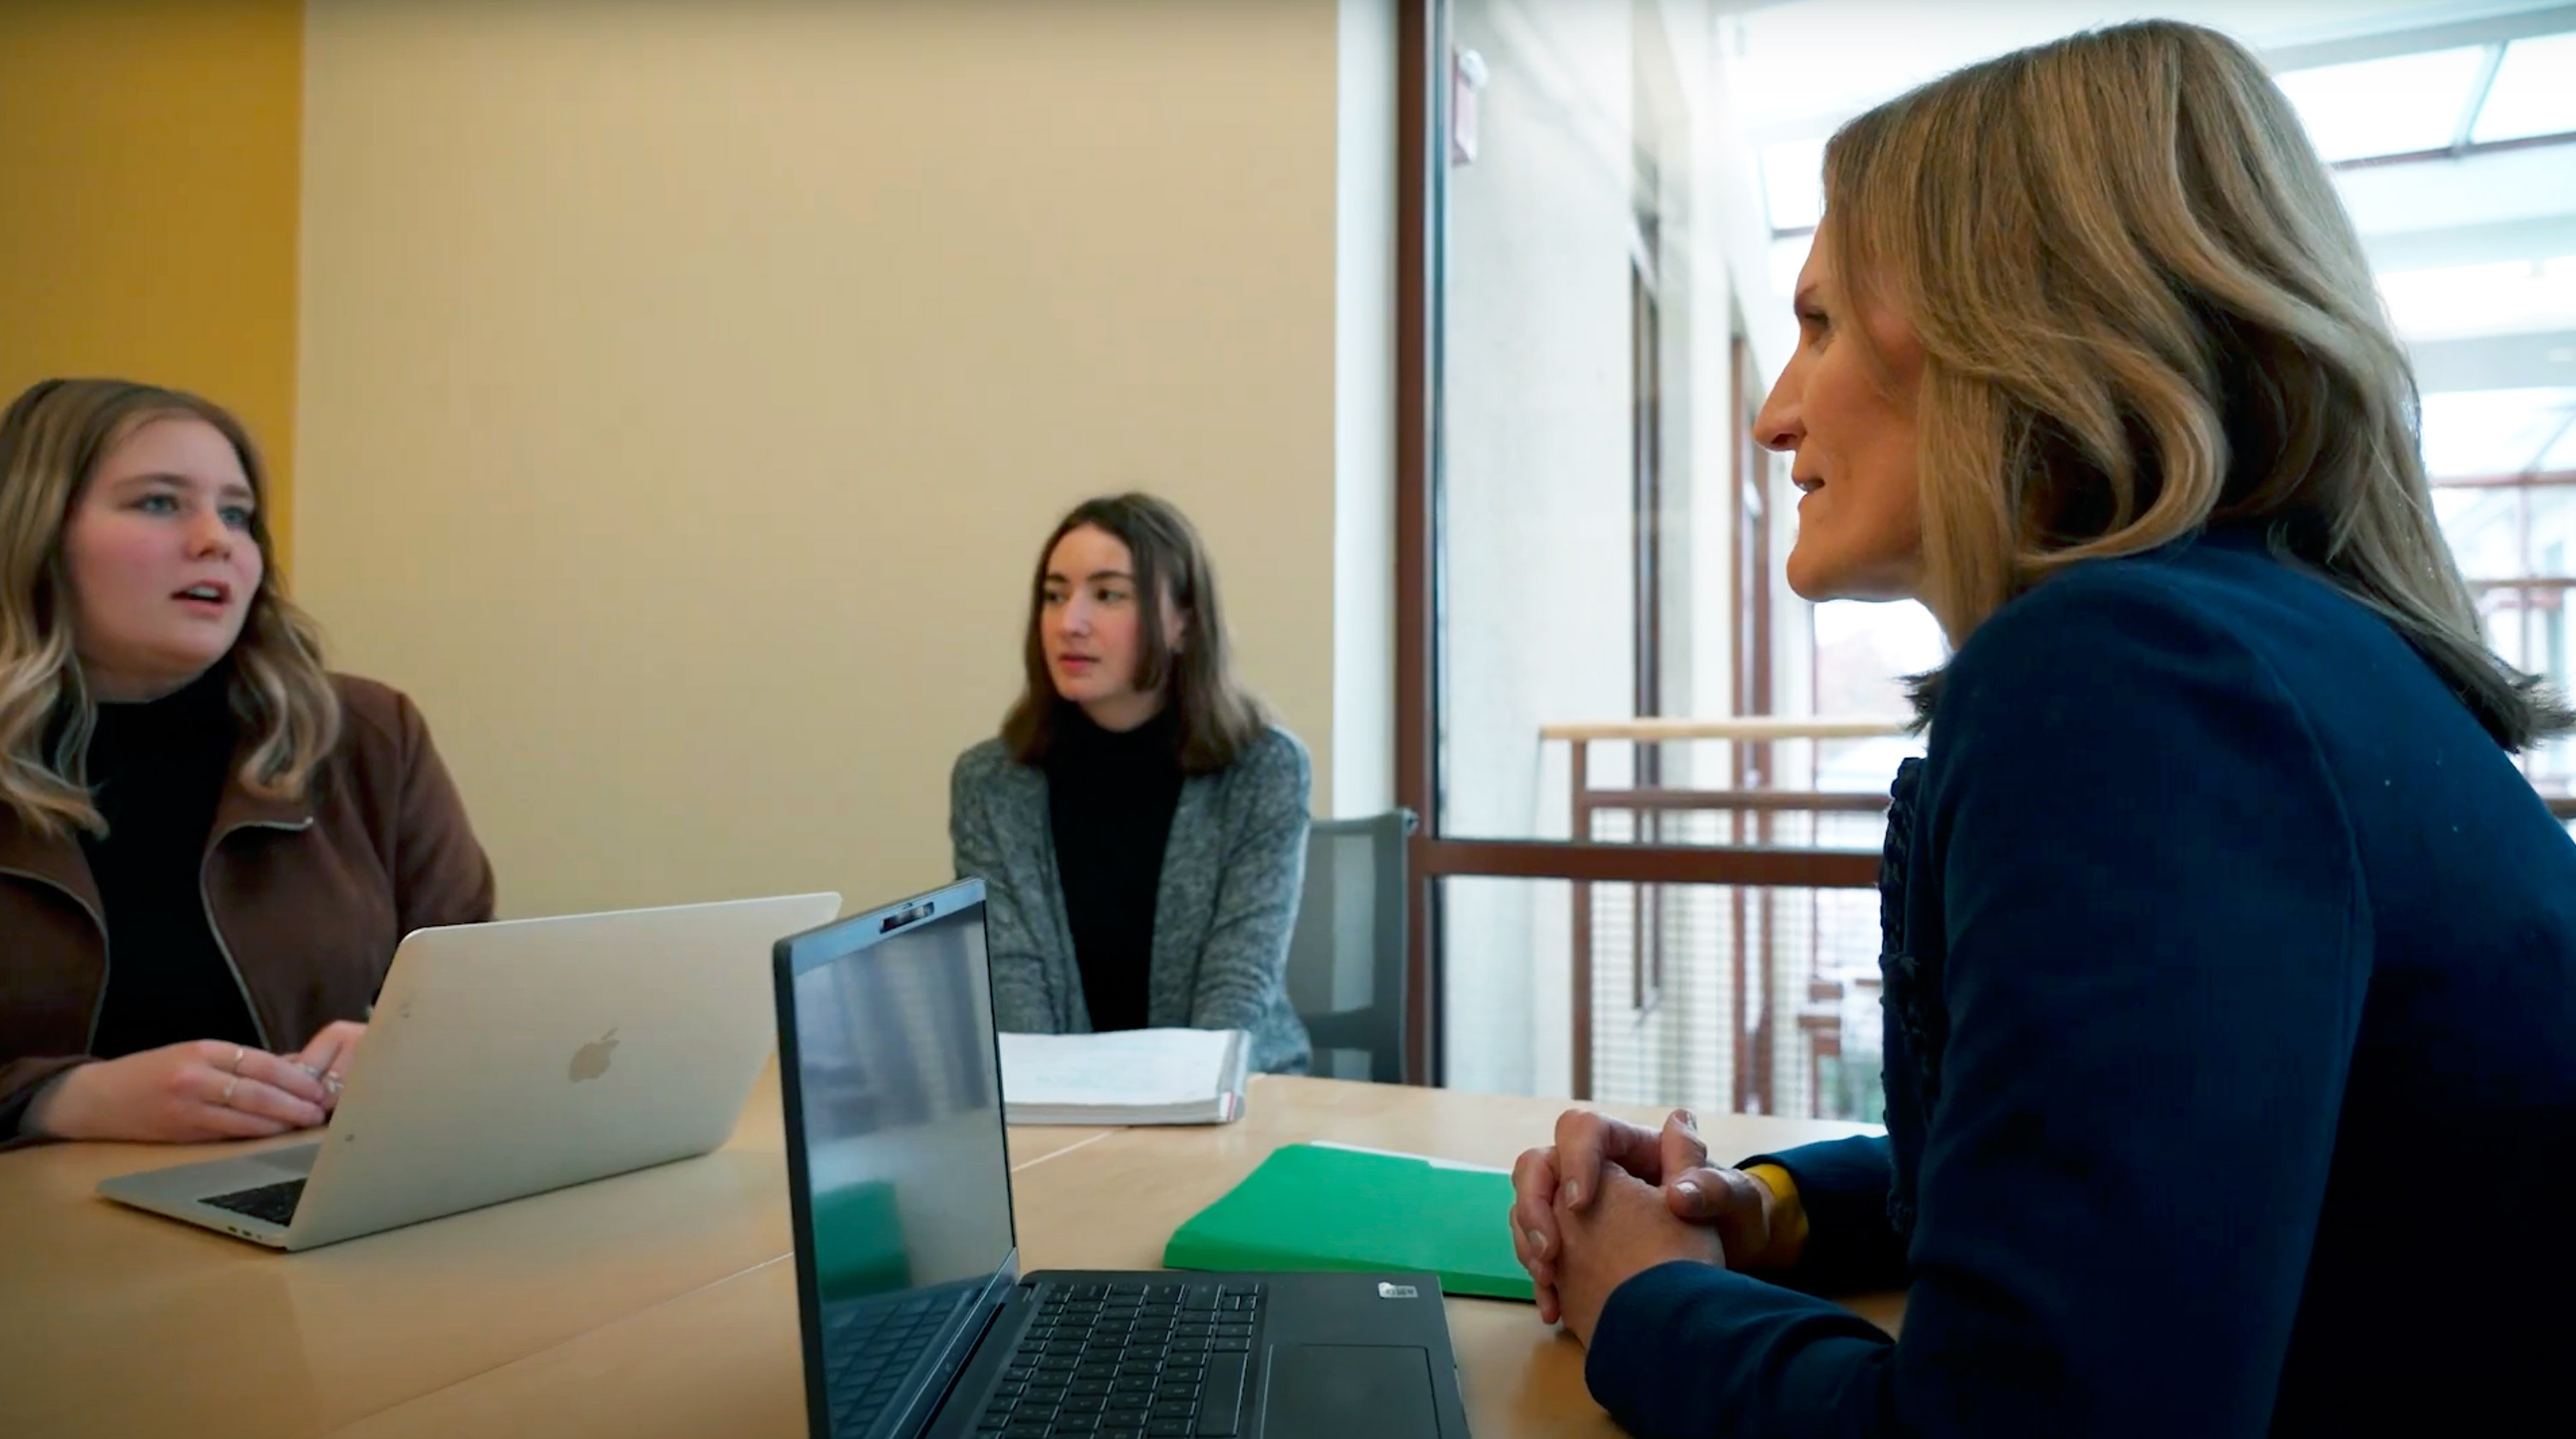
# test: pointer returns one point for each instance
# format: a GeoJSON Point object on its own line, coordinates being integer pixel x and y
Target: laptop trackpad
{"type": "Point", "coordinates": [1332, 1391]}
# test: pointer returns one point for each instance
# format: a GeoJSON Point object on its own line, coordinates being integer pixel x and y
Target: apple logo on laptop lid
{"type": "Point", "coordinates": [591, 1060]}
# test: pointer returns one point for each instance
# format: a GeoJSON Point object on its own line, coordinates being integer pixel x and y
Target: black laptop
{"type": "Point", "coordinates": [916, 1319]}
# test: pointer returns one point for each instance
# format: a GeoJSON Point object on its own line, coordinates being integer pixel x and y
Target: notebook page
{"type": "Point", "coordinates": [1124, 1068]}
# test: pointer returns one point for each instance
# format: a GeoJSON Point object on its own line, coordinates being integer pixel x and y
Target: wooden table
{"type": "Point", "coordinates": [652, 1304]}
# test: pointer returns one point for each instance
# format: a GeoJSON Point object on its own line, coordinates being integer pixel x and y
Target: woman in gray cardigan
{"type": "Point", "coordinates": [1140, 825]}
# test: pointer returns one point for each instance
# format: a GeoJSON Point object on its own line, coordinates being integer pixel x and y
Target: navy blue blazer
{"type": "Point", "coordinates": [2230, 1001]}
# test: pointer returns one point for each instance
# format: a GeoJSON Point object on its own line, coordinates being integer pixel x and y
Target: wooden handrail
{"type": "Point", "coordinates": [1794, 801]}
{"type": "Point", "coordinates": [1791, 867]}
{"type": "Point", "coordinates": [1738, 727]}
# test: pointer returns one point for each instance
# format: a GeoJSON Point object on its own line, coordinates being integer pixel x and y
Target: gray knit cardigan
{"type": "Point", "coordinates": [1232, 871]}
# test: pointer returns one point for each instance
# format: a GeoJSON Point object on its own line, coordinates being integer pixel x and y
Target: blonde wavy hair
{"type": "Point", "coordinates": [2143, 309]}
{"type": "Point", "coordinates": [52, 439]}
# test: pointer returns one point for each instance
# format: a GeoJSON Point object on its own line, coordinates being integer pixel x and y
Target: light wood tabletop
{"type": "Point", "coordinates": [652, 1304]}
{"type": "Point", "coordinates": [117, 1322]}
{"type": "Point", "coordinates": [1112, 1205]}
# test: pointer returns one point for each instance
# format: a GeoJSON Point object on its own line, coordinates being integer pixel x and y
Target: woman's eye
{"type": "Point", "coordinates": [158, 504]}
{"type": "Point", "coordinates": [1052, 598]}
{"type": "Point", "coordinates": [237, 516]}
{"type": "Point", "coordinates": [1113, 597]}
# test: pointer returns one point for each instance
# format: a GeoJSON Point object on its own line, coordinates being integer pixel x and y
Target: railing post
{"type": "Point", "coordinates": [1581, 812]}
{"type": "Point", "coordinates": [1739, 1044]}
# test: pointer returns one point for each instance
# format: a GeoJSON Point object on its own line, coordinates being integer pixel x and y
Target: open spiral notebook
{"type": "Point", "coordinates": [1127, 1076]}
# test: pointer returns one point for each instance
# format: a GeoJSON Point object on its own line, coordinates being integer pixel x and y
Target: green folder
{"type": "Point", "coordinates": [1319, 1207]}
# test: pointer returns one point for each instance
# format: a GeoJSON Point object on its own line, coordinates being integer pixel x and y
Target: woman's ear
{"type": "Point", "coordinates": [1176, 628]}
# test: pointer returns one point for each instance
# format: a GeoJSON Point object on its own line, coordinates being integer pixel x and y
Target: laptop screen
{"type": "Point", "coordinates": [896, 1113]}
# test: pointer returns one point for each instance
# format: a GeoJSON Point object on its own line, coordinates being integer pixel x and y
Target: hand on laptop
{"type": "Point", "coordinates": [187, 1093]}
{"type": "Point", "coordinates": [327, 1057]}
{"type": "Point", "coordinates": [1546, 1182]}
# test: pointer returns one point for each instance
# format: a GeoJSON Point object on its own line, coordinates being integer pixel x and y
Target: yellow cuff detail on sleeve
{"type": "Point", "coordinates": [1788, 1219]}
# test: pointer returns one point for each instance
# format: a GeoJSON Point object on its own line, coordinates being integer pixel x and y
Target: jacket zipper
{"type": "Point", "coordinates": [205, 899]}
{"type": "Point", "coordinates": [97, 1006]}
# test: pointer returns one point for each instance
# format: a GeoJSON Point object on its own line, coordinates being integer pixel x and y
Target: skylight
{"type": "Point", "coordinates": [1793, 183]}
{"type": "Point", "coordinates": [2510, 297]}
{"type": "Point", "coordinates": [2534, 91]}
{"type": "Point", "coordinates": [2400, 105]}
{"type": "Point", "coordinates": [2478, 433]}
{"type": "Point", "coordinates": [1788, 257]}
{"type": "Point", "coordinates": [2480, 527]}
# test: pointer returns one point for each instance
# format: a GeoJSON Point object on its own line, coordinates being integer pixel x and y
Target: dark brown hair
{"type": "Point", "coordinates": [1219, 719]}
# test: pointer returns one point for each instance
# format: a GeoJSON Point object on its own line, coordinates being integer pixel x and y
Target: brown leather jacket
{"type": "Point", "coordinates": [308, 898]}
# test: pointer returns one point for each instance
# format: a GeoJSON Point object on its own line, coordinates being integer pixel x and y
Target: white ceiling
{"type": "Point", "coordinates": [1807, 65]}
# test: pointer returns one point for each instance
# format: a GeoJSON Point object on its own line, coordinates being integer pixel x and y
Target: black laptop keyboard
{"type": "Point", "coordinates": [1128, 1361]}
{"type": "Point", "coordinates": [272, 1202]}
{"type": "Point", "coordinates": [874, 1347]}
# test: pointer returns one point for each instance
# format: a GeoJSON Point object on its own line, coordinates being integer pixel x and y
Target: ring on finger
{"type": "Point", "coordinates": [239, 1052]}
{"type": "Point", "coordinates": [226, 1098]}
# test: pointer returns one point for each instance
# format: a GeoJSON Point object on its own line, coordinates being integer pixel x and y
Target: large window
{"type": "Point", "coordinates": [1618, 683]}
{"type": "Point", "coordinates": [1653, 780]}
{"type": "Point", "coordinates": [2504, 477]}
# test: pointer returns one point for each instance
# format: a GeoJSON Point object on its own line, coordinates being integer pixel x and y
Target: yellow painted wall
{"type": "Point", "coordinates": [687, 388]}
{"type": "Point", "coordinates": [149, 161]}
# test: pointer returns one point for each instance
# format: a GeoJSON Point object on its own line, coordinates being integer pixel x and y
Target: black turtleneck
{"type": "Point", "coordinates": [1110, 800]}
{"type": "Point", "coordinates": [157, 770]}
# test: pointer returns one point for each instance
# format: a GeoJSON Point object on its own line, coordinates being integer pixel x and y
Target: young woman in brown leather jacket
{"type": "Point", "coordinates": [209, 845]}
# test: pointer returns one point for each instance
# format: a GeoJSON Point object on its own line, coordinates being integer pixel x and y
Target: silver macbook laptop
{"type": "Point", "coordinates": [507, 1059]}
{"type": "Point", "coordinates": [916, 1320]}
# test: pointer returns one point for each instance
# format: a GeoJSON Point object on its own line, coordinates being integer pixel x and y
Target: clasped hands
{"type": "Point", "coordinates": [1610, 1200]}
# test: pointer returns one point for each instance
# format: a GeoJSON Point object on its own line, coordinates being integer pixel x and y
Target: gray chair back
{"type": "Point", "coordinates": [1346, 955]}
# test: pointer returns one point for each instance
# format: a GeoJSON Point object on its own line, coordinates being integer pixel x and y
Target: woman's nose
{"type": "Point", "coordinates": [1777, 426]}
{"type": "Point", "coordinates": [211, 537]}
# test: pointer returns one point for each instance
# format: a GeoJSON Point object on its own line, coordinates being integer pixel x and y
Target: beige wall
{"type": "Point", "coordinates": [1364, 413]}
{"type": "Point", "coordinates": [685, 390]}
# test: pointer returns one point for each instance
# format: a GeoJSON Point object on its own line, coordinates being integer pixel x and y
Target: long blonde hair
{"type": "Point", "coordinates": [2143, 309]}
{"type": "Point", "coordinates": [51, 442]}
